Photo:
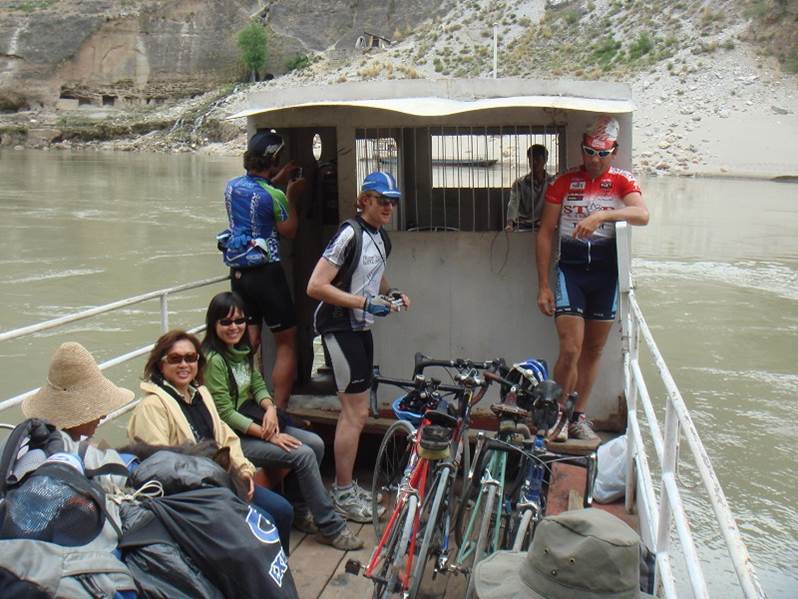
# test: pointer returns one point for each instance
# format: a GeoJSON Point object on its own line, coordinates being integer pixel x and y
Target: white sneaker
{"type": "Point", "coordinates": [354, 503]}
{"type": "Point", "coordinates": [581, 430]}
{"type": "Point", "coordinates": [562, 436]}
{"type": "Point", "coordinates": [366, 494]}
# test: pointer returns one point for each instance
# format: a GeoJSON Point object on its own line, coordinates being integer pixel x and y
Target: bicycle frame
{"type": "Point", "coordinates": [415, 482]}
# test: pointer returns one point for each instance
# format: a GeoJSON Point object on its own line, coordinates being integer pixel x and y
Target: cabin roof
{"type": "Point", "coordinates": [441, 97]}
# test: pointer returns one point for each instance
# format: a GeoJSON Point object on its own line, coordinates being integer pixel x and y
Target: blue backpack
{"type": "Point", "coordinates": [57, 538]}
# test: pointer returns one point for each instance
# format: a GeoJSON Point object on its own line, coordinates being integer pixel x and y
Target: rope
{"type": "Point", "coordinates": [149, 490]}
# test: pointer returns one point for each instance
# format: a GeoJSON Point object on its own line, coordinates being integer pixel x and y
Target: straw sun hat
{"type": "Point", "coordinates": [76, 391]}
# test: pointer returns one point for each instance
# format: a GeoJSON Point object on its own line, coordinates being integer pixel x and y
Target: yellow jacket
{"type": "Point", "coordinates": [158, 420]}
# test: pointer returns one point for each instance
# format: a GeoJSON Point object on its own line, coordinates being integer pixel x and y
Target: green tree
{"type": "Point", "coordinates": [252, 42]}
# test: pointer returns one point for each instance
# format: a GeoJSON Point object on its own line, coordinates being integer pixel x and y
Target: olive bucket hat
{"type": "Point", "coordinates": [580, 554]}
{"type": "Point", "coordinates": [76, 392]}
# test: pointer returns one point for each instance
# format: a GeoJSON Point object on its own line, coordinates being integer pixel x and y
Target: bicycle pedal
{"type": "Point", "coordinates": [353, 566]}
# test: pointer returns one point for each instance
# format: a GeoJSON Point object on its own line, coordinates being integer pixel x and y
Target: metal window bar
{"type": "Point", "coordinates": [160, 294]}
{"type": "Point", "coordinates": [678, 423]}
{"type": "Point", "coordinates": [458, 158]}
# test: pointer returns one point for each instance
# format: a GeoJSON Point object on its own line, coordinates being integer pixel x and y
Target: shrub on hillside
{"type": "Point", "coordinates": [252, 43]}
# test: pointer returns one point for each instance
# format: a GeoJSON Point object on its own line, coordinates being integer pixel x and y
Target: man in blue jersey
{"type": "Point", "coordinates": [258, 214]}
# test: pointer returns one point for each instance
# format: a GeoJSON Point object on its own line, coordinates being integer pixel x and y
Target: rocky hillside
{"type": "Point", "coordinates": [709, 78]}
{"type": "Point", "coordinates": [132, 53]}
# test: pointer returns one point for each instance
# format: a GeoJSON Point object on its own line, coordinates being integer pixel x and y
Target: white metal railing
{"type": "Point", "coordinates": [162, 295]}
{"type": "Point", "coordinates": [668, 511]}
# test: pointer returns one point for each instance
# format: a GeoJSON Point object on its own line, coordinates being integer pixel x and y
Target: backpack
{"type": "Point", "coordinates": [331, 318]}
{"type": "Point", "coordinates": [352, 259]}
{"type": "Point", "coordinates": [57, 538]}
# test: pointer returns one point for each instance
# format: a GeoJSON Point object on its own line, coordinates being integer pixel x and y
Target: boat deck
{"type": "Point", "coordinates": [319, 570]}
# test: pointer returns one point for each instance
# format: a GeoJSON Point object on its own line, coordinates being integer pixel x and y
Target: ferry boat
{"type": "Point", "coordinates": [455, 147]}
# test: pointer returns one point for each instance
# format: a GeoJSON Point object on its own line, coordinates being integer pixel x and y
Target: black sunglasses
{"type": "Point", "coordinates": [226, 322]}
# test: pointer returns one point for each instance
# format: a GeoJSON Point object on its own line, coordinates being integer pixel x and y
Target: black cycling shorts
{"type": "Point", "coordinates": [352, 357]}
{"type": "Point", "coordinates": [266, 296]}
{"type": "Point", "coordinates": [589, 292]}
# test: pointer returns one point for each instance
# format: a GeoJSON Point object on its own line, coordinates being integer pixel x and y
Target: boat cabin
{"type": "Point", "coordinates": [455, 148]}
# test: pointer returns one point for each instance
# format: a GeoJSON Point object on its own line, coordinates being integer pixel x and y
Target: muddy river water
{"type": "Point", "coordinates": [716, 270]}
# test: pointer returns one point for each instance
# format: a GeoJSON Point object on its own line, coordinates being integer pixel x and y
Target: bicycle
{"type": "Point", "coordinates": [502, 515]}
{"type": "Point", "coordinates": [407, 460]}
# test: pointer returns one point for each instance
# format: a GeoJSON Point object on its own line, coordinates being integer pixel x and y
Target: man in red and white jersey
{"type": "Point", "coordinates": [585, 202]}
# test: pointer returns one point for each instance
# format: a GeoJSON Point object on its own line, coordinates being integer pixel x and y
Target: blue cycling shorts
{"type": "Point", "coordinates": [587, 291]}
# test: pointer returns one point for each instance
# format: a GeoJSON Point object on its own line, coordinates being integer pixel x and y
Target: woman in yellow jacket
{"type": "Point", "coordinates": [177, 409]}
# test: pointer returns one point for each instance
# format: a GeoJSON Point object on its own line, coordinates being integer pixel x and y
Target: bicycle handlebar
{"type": "Point", "coordinates": [489, 375]}
{"type": "Point", "coordinates": [419, 383]}
{"type": "Point", "coordinates": [421, 362]}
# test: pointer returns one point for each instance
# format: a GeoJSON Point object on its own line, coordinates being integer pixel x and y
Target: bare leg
{"type": "Point", "coordinates": [253, 332]}
{"type": "Point", "coordinates": [595, 337]}
{"type": "Point", "coordinates": [571, 330]}
{"type": "Point", "coordinates": [284, 370]}
{"type": "Point", "coordinates": [354, 412]}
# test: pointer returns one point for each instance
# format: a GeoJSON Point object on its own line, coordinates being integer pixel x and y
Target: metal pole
{"type": "Point", "coordinates": [495, 50]}
{"type": "Point", "coordinates": [164, 313]}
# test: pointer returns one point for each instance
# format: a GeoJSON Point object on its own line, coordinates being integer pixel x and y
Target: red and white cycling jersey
{"type": "Point", "coordinates": [581, 196]}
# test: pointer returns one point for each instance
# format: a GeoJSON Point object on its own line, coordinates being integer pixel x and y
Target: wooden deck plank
{"type": "Point", "coordinates": [295, 540]}
{"type": "Point", "coordinates": [567, 478]}
{"type": "Point", "coordinates": [350, 586]}
{"type": "Point", "coordinates": [312, 565]}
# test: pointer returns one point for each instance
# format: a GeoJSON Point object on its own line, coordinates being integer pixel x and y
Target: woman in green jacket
{"type": "Point", "coordinates": [244, 403]}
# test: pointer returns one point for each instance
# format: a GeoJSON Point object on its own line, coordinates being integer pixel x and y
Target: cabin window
{"type": "Point", "coordinates": [376, 150]}
{"type": "Point", "coordinates": [455, 178]}
{"type": "Point", "coordinates": [317, 147]}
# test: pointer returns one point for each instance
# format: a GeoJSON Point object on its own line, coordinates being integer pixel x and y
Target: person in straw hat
{"type": "Point", "coordinates": [580, 554]}
{"type": "Point", "coordinates": [75, 398]}
{"type": "Point", "coordinates": [77, 395]}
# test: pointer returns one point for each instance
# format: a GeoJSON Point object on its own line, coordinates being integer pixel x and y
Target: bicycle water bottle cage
{"type": "Point", "coordinates": [435, 442]}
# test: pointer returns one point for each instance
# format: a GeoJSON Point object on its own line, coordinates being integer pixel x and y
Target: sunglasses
{"type": "Point", "coordinates": [592, 152]}
{"type": "Point", "coordinates": [385, 201]}
{"type": "Point", "coordinates": [226, 322]}
{"type": "Point", "coordinates": [175, 359]}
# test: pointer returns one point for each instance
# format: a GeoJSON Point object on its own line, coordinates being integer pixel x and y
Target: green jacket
{"type": "Point", "coordinates": [249, 381]}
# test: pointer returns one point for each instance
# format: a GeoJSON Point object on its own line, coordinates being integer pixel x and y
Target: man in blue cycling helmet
{"type": "Point", "coordinates": [353, 290]}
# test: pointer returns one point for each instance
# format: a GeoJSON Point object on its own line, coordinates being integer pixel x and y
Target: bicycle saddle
{"type": "Point", "coordinates": [514, 412]}
{"type": "Point", "coordinates": [440, 418]}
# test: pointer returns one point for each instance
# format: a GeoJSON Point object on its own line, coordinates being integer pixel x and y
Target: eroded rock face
{"type": "Point", "coordinates": [128, 52]}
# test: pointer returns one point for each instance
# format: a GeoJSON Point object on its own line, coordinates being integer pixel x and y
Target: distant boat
{"type": "Point", "coordinates": [472, 162]}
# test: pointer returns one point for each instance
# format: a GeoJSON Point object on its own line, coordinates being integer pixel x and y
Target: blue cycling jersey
{"type": "Point", "coordinates": [254, 208]}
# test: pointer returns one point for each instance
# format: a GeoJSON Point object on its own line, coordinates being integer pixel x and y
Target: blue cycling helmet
{"type": "Point", "coordinates": [413, 418]}
{"type": "Point", "coordinates": [533, 370]}
{"type": "Point", "coordinates": [527, 375]}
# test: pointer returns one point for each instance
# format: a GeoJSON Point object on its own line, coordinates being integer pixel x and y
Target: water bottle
{"type": "Point", "coordinates": [534, 475]}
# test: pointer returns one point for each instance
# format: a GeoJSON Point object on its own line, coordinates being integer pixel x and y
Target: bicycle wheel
{"type": "Point", "coordinates": [524, 531]}
{"type": "Point", "coordinates": [485, 528]}
{"type": "Point", "coordinates": [433, 528]}
{"type": "Point", "coordinates": [392, 557]}
{"type": "Point", "coordinates": [470, 497]}
{"type": "Point", "coordinates": [392, 459]}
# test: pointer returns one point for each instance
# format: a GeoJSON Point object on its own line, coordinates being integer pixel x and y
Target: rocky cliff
{"type": "Point", "coordinates": [129, 52]}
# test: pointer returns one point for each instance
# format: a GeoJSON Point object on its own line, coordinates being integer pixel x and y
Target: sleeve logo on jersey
{"type": "Point", "coordinates": [577, 185]}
